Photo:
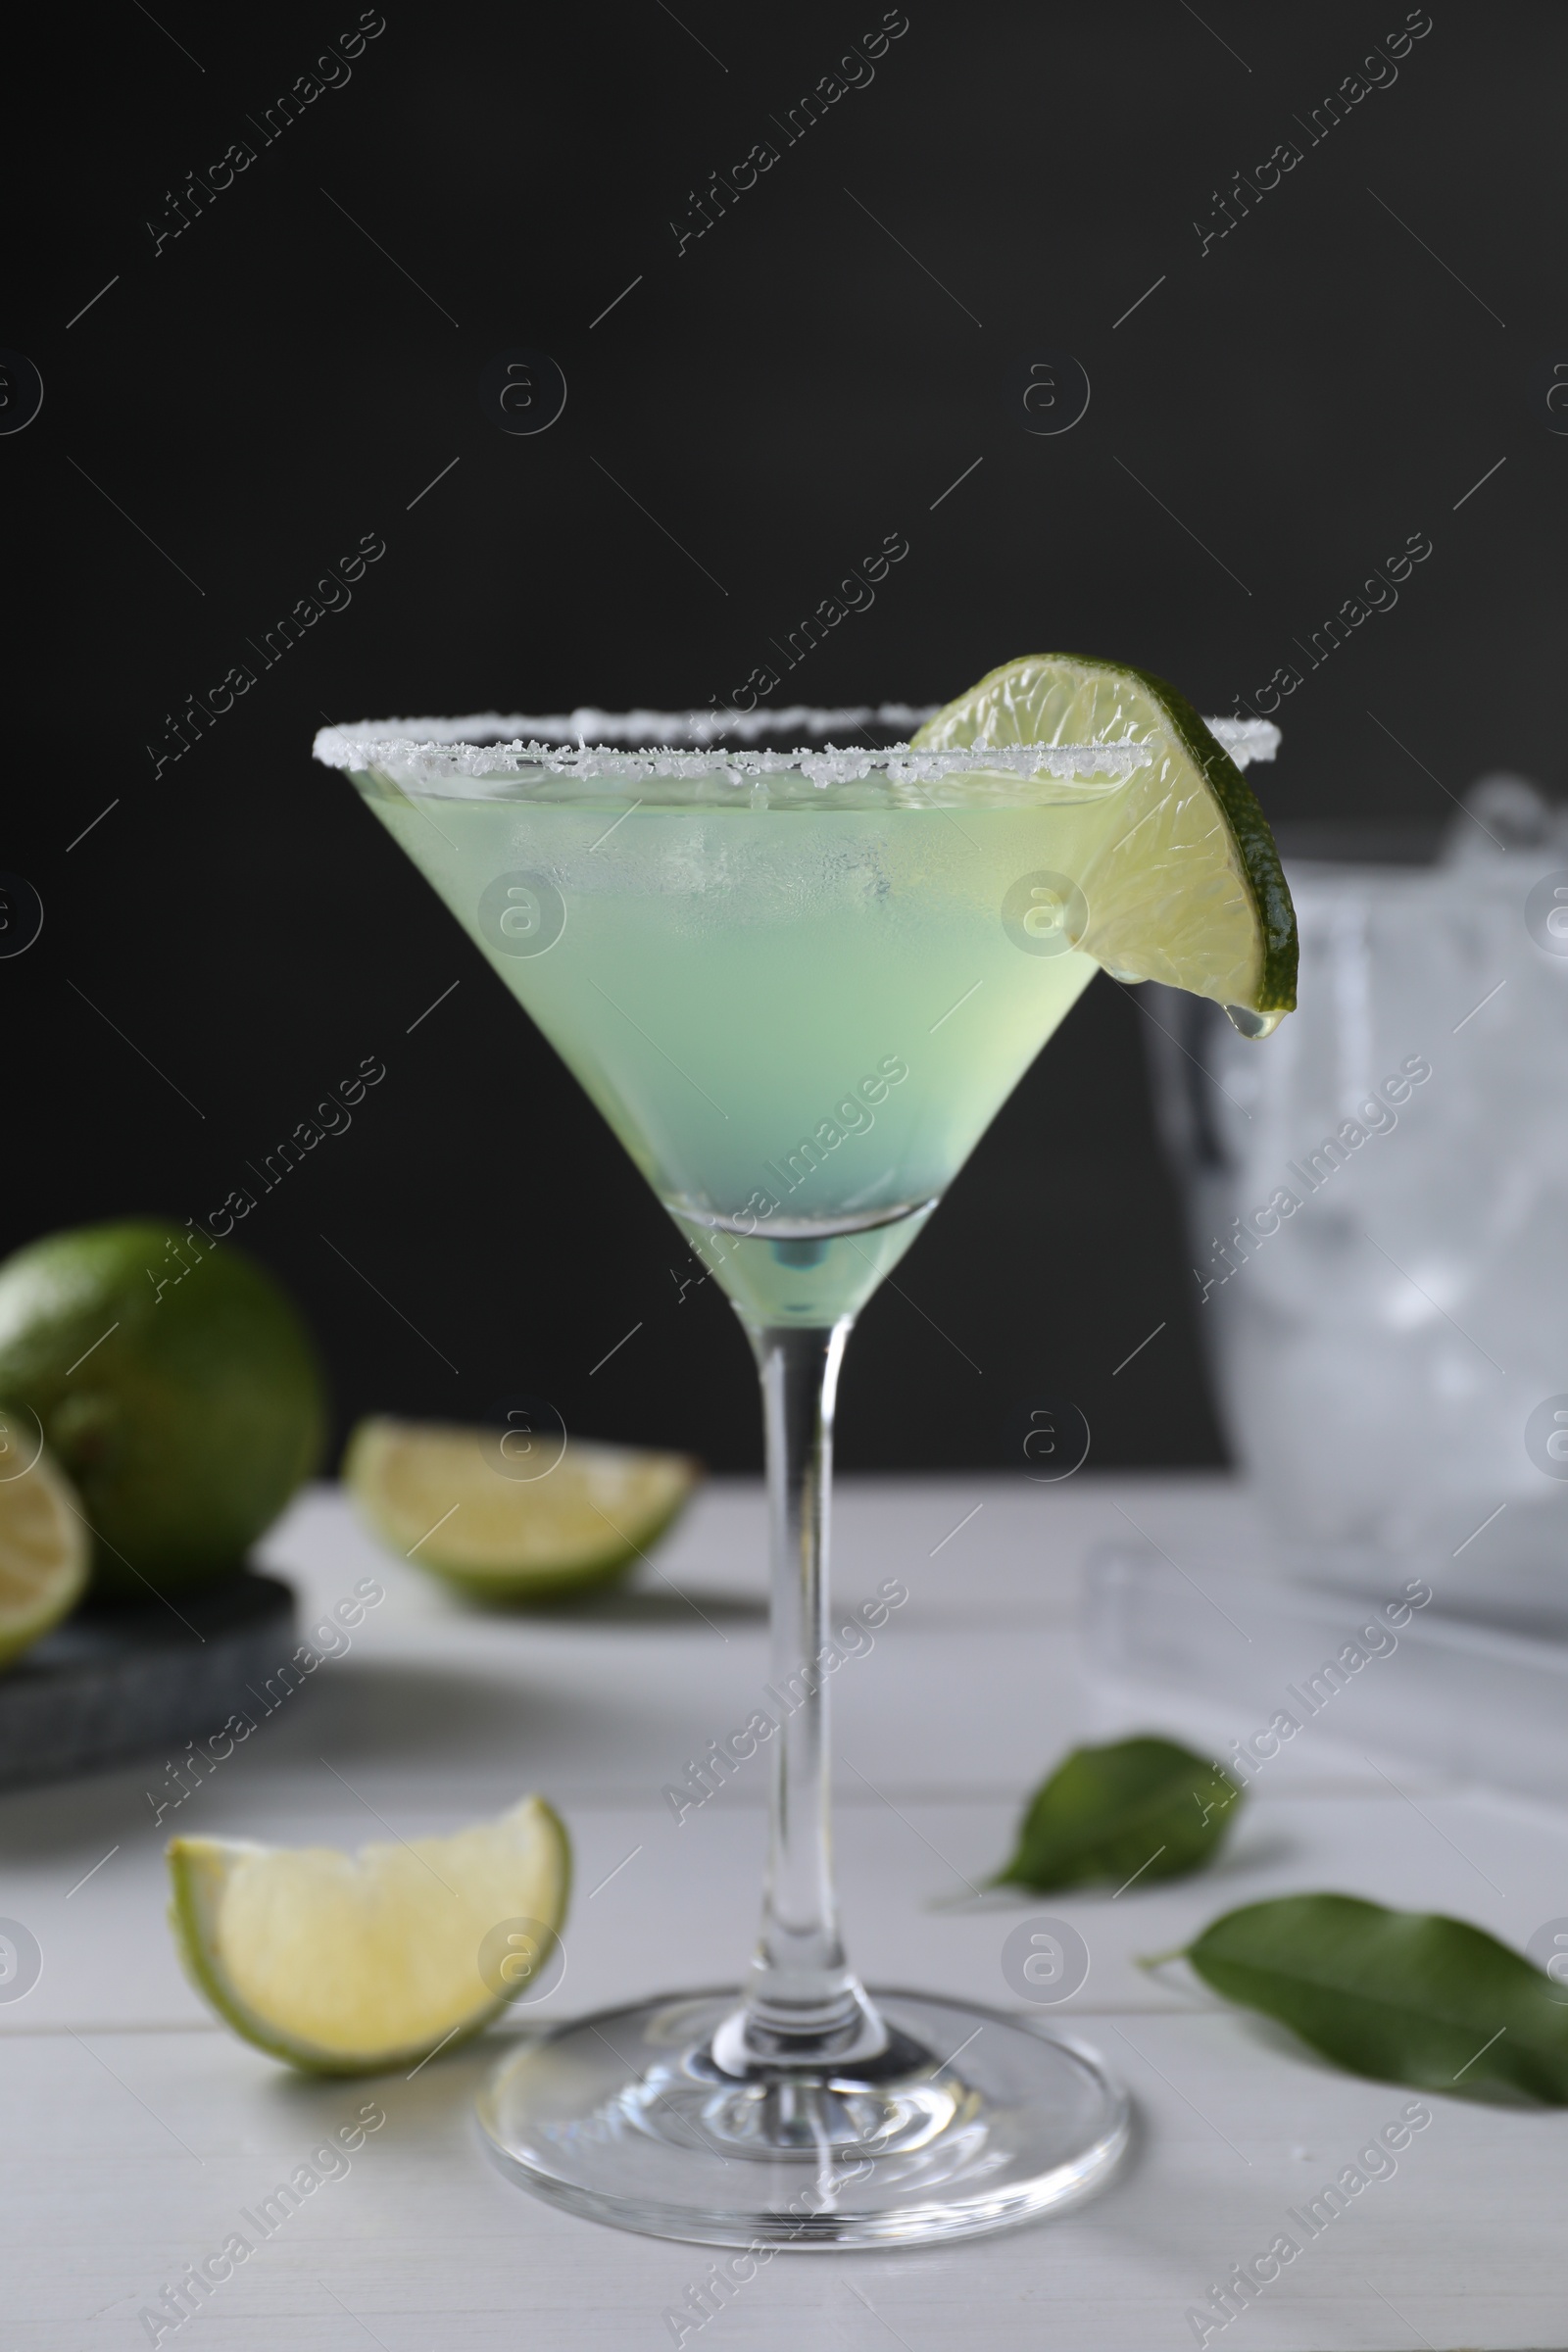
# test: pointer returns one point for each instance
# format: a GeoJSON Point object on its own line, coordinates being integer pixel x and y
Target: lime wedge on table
{"type": "Point", "coordinates": [43, 1549]}
{"type": "Point", "coordinates": [463, 1503]}
{"type": "Point", "coordinates": [351, 1963]}
{"type": "Point", "coordinates": [1178, 871]}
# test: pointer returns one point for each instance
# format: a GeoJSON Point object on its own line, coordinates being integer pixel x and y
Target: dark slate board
{"type": "Point", "coordinates": [118, 1680]}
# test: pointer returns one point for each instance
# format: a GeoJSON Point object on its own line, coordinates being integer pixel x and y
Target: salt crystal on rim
{"type": "Point", "coordinates": [585, 745]}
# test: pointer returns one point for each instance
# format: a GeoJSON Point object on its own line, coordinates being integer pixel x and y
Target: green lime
{"type": "Point", "coordinates": [176, 1386]}
{"type": "Point", "coordinates": [348, 1964]}
{"type": "Point", "coordinates": [1179, 876]}
{"type": "Point", "coordinates": [465, 1505]}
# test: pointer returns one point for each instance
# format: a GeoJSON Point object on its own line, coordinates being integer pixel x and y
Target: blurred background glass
{"type": "Point", "coordinates": [1377, 1209]}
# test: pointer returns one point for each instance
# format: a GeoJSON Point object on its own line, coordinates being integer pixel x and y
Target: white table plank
{"type": "Point", "coordinates": [426, 2245]}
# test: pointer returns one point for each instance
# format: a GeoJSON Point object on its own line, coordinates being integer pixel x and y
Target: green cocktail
{"type": "Point", "coordinates": [797, 1018]}
{"type": "Point", "coordinates": [799, 986]}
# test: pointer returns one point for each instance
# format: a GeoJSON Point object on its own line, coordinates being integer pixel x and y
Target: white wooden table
{"type": "Point", "coordinates": [136, 2129]}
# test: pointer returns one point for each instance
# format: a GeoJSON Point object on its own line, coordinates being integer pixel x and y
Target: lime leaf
{"type": "Point", "coordinates": [1403, 1996]}
{"type": "Point", "coordinates": [1142, 1810]}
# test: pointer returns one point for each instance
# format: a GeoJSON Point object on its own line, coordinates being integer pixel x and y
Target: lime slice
{"type": "Point", "coordinates": [1179, 877]}
{"type": "Point", "coordinates": [44, 1548]}
{"type": "Point", "coordinates": [350, 1963]}
{"type": "Point", "coordinates": [470, 1504]}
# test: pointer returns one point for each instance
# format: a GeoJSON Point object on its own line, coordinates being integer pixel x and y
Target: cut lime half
{"type": "Point", "coordinates": [470, 1504]}
{"type": "Point", "coordinates": [1179, 876]}
{"type": "Point", "coordinates": [44, 1545]}
{"type": "Point", "coordinates": [351, 1963]}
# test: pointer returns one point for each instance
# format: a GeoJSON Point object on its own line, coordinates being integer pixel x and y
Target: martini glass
{"type": "Point", "coordinates": [798, 985]}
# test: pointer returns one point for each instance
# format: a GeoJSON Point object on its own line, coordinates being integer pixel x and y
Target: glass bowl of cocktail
{"type": "Point", "coordinates": [799, 984]}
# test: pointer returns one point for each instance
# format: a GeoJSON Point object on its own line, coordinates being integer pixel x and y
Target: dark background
{"type": "Point", "coordinates": [236, 409]}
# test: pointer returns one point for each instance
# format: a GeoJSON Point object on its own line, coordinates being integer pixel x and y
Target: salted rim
{"type": "Point", "coordinates": [585, 745]}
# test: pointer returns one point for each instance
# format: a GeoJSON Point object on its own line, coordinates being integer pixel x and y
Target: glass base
{"type": "Point", "coordinates": [967, 2122]}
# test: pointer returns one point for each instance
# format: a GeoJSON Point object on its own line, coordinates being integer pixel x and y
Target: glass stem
{"type": "Point", "coordinates": [802, 2004]}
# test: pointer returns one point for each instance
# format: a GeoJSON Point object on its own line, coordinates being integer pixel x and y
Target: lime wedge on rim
{"type": "Point", "coordinates": [1179, 877]}
{"type": "Point", "coordinates": [44, 1547]}
{"type": "Point", "coordinates": [347, 1963]}
{"type": "Point", "coordinates": [469, 1506]}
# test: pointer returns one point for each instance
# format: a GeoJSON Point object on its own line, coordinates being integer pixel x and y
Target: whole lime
{"type": "Point", "coordinates": [176, 1386]}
